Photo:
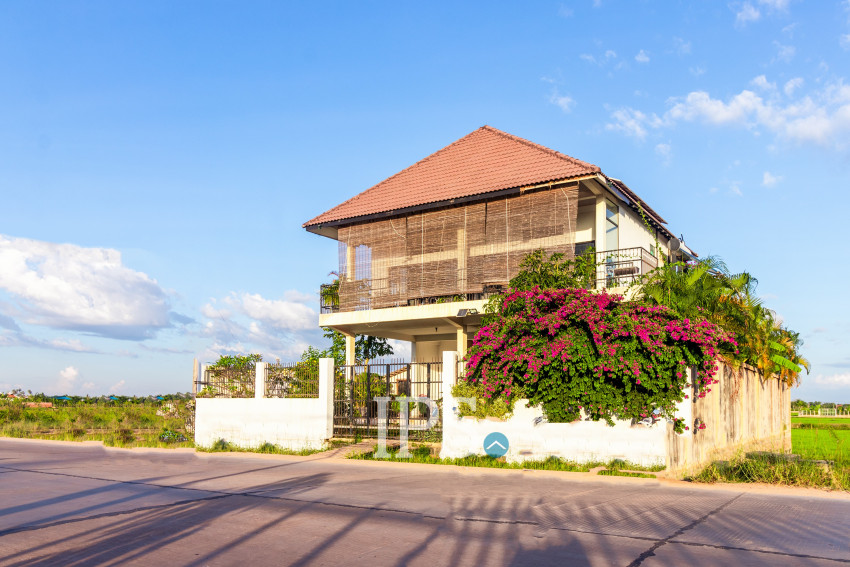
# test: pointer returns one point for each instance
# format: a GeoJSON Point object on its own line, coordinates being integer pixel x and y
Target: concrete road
{"type": "Point", "coordinates": [81, 504]}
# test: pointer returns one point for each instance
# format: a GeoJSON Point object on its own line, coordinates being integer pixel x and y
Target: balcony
{"type": "Point", "coordinates": [617, 268]}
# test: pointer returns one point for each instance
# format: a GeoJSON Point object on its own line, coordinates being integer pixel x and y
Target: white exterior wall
{"type": "Point", "coordinates": [580, 441]}
{"type": "Point", "coordinates": [432, 351]}
{"type": "Point", "coordinates": [291, 423]}
{"type": "Point", "coordinates": [531, 439]}
{"type": "Point", "coordinates": [633, 232]}
{"type": "Point", "coordinates": [585, 222]}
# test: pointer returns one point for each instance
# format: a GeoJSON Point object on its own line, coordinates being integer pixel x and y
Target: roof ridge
{"type": "Point", "coordinates": [537, 146]}
{"type": "Point", "coordinates": [396, 174]}
{"type": "Point", "coordinates": [560, 166]}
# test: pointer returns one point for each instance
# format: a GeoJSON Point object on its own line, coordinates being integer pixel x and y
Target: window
{"type": "Point", "coordinates": [612, 226]}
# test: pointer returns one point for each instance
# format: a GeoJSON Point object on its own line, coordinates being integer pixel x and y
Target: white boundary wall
{"type": "Point", "coordinates": [531, 438]}
{"type": "Point", "coordinates": [291, 423]}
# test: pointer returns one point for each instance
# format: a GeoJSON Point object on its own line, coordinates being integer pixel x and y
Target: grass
{"type": "Point", "coordinates": [222, 446]}
{"type": "Point", "coordinates": [422, 455]}
{"type": "Point", "coordinates": [820, 423]}
{"type": "Point", "coordinates": [115, 424]}
{"type": "Point", "coordinates": [817, 439]}
{"type": "Point", "coordinates": [608, 472]}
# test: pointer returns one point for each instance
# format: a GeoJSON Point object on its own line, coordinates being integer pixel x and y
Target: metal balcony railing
{"type": "Point", "coordinates": [618, 268]}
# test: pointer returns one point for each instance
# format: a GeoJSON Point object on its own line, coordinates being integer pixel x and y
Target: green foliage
{"type": "Point", "coordinates": [555, 272]}
{"type": "Point", "coordinates": [707, 290]}
{"type": "Point", "coordinates": [575, 352]}
{"type": "Point", "coordinates": [223, 446]}
{"type": "Point", "coordinates": [246, 362]}
{"type": "Point", "coordinates": [232, 375]}
{"type": "Point", "coordinates": [138, 423]}
{"type": "Point", "coordinates": [485, 406]}
{"type": "Point", "coordinates": [423, 455]}
{"type": "Point", "coordinates": [366, 348]}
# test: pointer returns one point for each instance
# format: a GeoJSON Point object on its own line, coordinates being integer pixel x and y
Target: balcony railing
{"type": "Point", "coordinates": [618, 268]}
{"type": "Point", "coordinates": [615, 268]}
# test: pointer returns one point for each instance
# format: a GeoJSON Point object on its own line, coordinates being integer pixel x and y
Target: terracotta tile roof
{"type": "Point", "coordinates": [485, 160]}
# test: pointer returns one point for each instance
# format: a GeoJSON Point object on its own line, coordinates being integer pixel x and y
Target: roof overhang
{"type": "Point", "coordinates": [330, 228]}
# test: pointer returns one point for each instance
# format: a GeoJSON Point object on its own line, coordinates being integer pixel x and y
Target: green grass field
{"type": "Point", "coordinates": [116, 424]}
{"type": "Point", "coordinates": [822, 444]}
{"type": "Point", "coordinates": [822, 420]}
{"type": "Point", "coordinates": [819, 439]}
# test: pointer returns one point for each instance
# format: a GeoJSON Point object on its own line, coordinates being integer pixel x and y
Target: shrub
{"type": "Point", "coordinates": [572, 351]}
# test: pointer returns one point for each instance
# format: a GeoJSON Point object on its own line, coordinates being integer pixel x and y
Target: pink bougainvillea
{"type": "Point", "coordinates": [573, 349]}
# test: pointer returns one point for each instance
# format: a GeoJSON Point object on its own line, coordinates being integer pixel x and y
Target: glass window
{"type": "Point", "coordinates": [612, 226]}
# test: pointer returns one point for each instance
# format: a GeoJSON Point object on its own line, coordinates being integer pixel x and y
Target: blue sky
{"type": "Point", "coordinates": [159, 158]}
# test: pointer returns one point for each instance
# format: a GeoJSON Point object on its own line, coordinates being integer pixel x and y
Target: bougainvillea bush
{"type": "Point", "coordinates": [572, 350]}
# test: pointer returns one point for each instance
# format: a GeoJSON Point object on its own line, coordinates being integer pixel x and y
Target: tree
{"type": "Point", "coordinates": [706, 290]}
{"type": "Point", "coordinates": [366, 347]}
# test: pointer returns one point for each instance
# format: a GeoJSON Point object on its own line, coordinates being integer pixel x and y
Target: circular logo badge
{"type": "Point", "coordinates": [496, 444]}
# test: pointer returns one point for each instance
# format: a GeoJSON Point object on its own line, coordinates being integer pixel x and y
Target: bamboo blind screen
{"type": "Point", "coordinates": [451, 251]}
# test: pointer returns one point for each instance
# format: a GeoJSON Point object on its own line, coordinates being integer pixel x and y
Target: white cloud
{"type": "Point", "coordinates": [776, 5]}
{"type": "Point", "coordinates": [844, 41]}
{"type": "Point", "coordinates": [279, 313]}
{"type": "Point", "coordinates": [682, 47]}
{"type": "Point", "coordinates": [117, 388]}
{"type": "Point", "coordinates": [833, 381]}
{"type": "Point", "coordinates": [793, 85]}
{"type": "Point", "coordinates": [70, 344]}
{"type": "Point", "coordinates": [821, 118]}
{"type": "Point", "coordinates": [564, 102]}
{"type": "Point", "coordinates": [249, 322]}
{"type": "Point", "coordinates": [696, 71]}
{"type": "Point", "coordinates": [762, 83]}
{"type": "Point", "coordinates": [784, 52]}
{"type": "Point", "coordinates": [67, 380]}
{"type": "Point", "coordinates": [665, 152]}
{"type": "Point", "coordinates": [633, 122]}
{"type": "Point", "coordinates": [610, 54]}
{"type": "Point", "coordinates": [735, 189]}
{"type": "Point", "coordinates": [746, 14]}
{"type": "Point", "coordinates": [769, 180]}
{"type": "Point", "coordinates": [86, 289]}
{"type": "Point", "coordinates": [565, 12]}
{"type": "Point", "coordinates": [642, 57]}
{"type": "Point", "coordinates": [587, 57]}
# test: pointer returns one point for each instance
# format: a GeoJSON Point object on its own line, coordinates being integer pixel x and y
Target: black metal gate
{"type": "Point", "coordinates": [356, 409]}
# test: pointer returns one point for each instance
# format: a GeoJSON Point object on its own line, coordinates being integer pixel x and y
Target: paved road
{"type": "Point", "coordinates": [81, 504]}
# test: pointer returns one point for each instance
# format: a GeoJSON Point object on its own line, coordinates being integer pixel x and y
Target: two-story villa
{"type": "Point", "coordinates": [420, 252]}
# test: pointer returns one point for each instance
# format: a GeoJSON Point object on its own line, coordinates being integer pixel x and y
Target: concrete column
{"type": "Point", "coordinates": [260, 380]}
{"type": "Point", "coordinates": [326, 392]}
{"type": "Point", "coordinates": [449, 402]}
{"type": "Point", "coordinates": [350, 350]}
{"type": "Point", "coordinates": [349, 262]}
{"type": "Point", "coordinates": [194, 375]}
{"type": "Point", "coordinates": [462, 339]}
{"type": "Point", "coordinates": [449, 380]}
{"type": "Point", "coordinates": [203, 374]}
{"type": "Point", "coordinates": [599, 233]}
{"type": "Point", "coordinates": [413, 351]}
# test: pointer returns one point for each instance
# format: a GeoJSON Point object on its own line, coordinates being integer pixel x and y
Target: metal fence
{"type": "Point", "coordinates": [292, 380]}
{"type": "Point", "coordinates": [227, 382]}
{"type": "Point", "coordinates": [357, 386]}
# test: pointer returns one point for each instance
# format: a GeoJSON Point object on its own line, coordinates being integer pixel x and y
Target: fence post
{"type": "Point", "coordinates": [449, 402]}
{"type": "Point", "coordinates": [260, 380]}
{"type": "Point", "coordinates": [326, 393]}
{"type": "Point", "coordinates": [203, 375]}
